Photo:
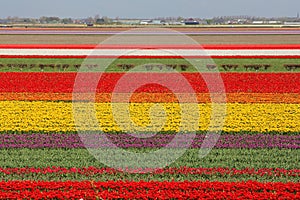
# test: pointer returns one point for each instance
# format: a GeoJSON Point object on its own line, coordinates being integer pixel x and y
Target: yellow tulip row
{"type": "Point", "coordinates": [62, 116]}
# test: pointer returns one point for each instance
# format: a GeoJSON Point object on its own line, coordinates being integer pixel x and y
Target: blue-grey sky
{"type": "Point", "coordinates": [148, 8]}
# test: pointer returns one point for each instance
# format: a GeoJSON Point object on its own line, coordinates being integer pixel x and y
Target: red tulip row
{"type": "Point", "coordinates": [146, 190]}
{"type": "Point", "coordinates": [233, 82]}
{"type": "Point", "coordinates": [153, 57]}
{"type": "Point", "coordinates": [183, 170]}
{"type": "Point", "coordinates": [159, 46]}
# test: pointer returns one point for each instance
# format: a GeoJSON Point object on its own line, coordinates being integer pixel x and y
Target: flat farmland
{"type": "Point", "coordinates": [180, 29]}
{"type": "Point", "coordinates": [200, 35]}
{"type": "Point", "coordinates": [201, 39]}
{"type": "Point", "coordinates": [49, 142]}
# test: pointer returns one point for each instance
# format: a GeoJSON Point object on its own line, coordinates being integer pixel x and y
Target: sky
{"type": "Point", "coordinates": [143, 9]}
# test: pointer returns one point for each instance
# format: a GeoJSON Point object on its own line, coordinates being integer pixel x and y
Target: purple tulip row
{"type": "Point", "coordinates": [93, 140]}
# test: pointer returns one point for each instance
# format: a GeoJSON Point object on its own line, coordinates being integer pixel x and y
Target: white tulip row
{"type": "Point", "coordinates": [141, 52]}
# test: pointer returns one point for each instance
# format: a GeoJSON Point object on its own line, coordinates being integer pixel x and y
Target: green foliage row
{"type": "Point", "coordinates": [277, 65]}
{"type": "Point", "coordinates": [146, 177]}
{"type": "Point", "coordinates": [231, 158]}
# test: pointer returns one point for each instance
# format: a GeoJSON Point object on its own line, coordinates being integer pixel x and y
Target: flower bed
{"type": "Point", "coordinates": [234, 82]}
{"type": "Point", "coordinates": [255, 157]}
{"type": "Point", "coordinates": [146, 190]}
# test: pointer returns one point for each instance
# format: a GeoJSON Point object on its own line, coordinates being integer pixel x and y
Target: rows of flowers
{"type": "Point", "coordinates": [37, 119]}
{"type": "Point", "coordinates": [148, 46]}
{"type": "Point", "coordinates": [90, 171]}
{"type": "Point", "coordinates": [146, 190]}
{"type": "Point", "coordinates": [153, 97]}
{"type": "Point", "coordinates": [149, 57]}
{"type": "Point", "coordinates": [63, 51]}
{"type": "Point", "coordinates": [234, 82]}
{"type": "Point", "coordinates": [21, 116]}
{"type": "Point", "coordinates": [122, 140]}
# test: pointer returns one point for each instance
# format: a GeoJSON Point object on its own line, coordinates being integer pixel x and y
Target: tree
{"type": "Point", "coordinates": [46, 20]}
{"type": "Point", "coordinates": [179, 19]}
{"type": "Point", "coordinates": [209, 21]}
{"type": "Point", "coordinates": [97, 17]}
{"type": "Point", "coordinates": [106, 20]}
{"type": "Point", "coordinates": [67, 21]}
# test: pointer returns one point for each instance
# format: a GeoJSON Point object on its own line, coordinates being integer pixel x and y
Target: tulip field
{"type": "Point", "coordinates": [43, 156]}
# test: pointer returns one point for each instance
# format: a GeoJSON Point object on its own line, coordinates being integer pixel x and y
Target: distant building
{"type": "Point", "coordinates": [242, 21]}
{"type": "Point", "coordinates": [266, 22]}
{"type": "Point", "coordinates": [232, 22]}
{"type": "Point", "coordinates": [127, 21]}
{"type": "Point", "coordinates": [191, 21]}
{"type": "Point", "coordinates": [3, 21]}
{"type": "Point", "coordinates": [274, 22]}
{"type": "Point", "coordinates": [100, 21]}
{"type": "Point", "coordinates": [145, 22]}
{"type": "Point", "coordinates": [258, 22]}
{"type": "Point", "coordinates": [176, 23]}
{"type": "Point", "coordinates": [157, 22]}
{"type": "Point", "coordinates": [291, 23]}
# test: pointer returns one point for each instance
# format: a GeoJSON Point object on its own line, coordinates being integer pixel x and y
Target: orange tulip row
{"type": "Point", "coordinates": [154, 97]}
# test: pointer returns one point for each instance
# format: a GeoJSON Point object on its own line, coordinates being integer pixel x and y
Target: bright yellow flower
{"type": "Point", "coordinates": [59, 116]}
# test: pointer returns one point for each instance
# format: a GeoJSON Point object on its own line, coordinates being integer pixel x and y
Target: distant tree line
{"type": "Point", "coordinates": [106, 20]}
